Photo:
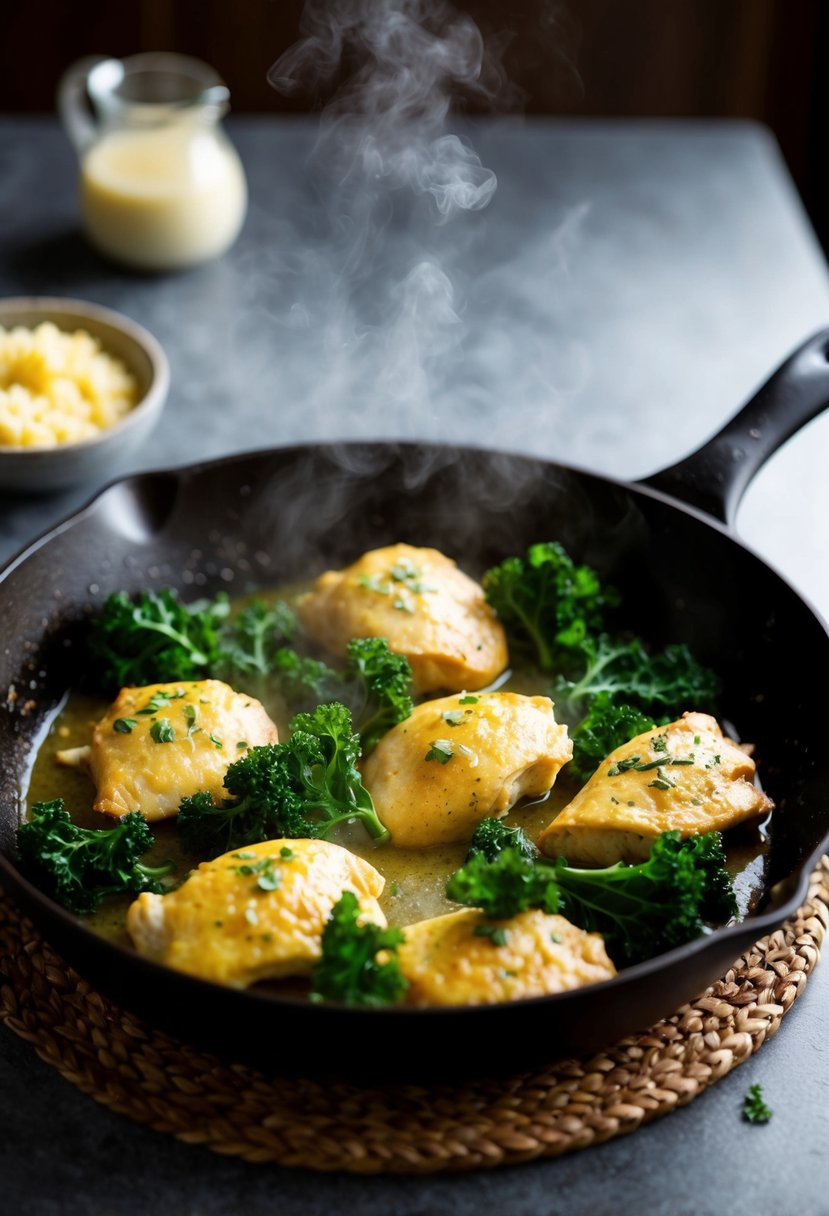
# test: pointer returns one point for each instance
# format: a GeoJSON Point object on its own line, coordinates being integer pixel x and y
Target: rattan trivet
{"type": "Point", "coordinates": [232, 1109]}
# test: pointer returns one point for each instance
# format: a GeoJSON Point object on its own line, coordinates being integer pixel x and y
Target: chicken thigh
{"type": "Point", "coordinates": [686, 777]}
{"type": "Point", "coordinates": [456, 760]}
{"type": "Point", "coordinates": [159, 743]}
{"type": "Point", "coordinates": [466, 959]}
{"type": "Point", "coordinates": [254, 914]}
{"type": "Point", "coordinates": [425, 607]}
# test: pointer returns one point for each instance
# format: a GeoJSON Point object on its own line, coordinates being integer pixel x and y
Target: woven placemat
{"type": "Point", "coordinates": [156, 1080]}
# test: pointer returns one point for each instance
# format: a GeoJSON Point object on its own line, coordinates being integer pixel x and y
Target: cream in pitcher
{"type": "Point", "coordinates": [161, 186]}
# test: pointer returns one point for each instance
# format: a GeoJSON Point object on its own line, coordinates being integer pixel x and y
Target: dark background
{"type": "Point", "coordinates": [757, 59]}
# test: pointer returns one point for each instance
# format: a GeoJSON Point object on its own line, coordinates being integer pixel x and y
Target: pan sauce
{"type": "Point", "coordinates": [415, 878]}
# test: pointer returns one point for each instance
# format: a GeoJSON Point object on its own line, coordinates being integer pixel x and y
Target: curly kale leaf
{"type": "Point", "coordinates": [301, 788]}
{"type": "Point", "coordinates": [492, 836]}
{"type": "Point", "coordinates": [384, 681]}
{"type": "Point", "coordinates": [549, 606]}
{"type": "Point", "coordinates": [359, 961]}
{"type": "Point", "coordinates": [155, 638]}
{"type": "Point", "coordinates": [80, 866]}
{"type": "Point", "coordinates": [640, 910]}
{"type": "Point", "coordinates": [660, 685]}
{"type": "Point", "coordinates": [607, 725]}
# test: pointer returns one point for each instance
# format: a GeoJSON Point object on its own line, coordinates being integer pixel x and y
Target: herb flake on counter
{"type": "Point", "coordinates": [754, 1108]}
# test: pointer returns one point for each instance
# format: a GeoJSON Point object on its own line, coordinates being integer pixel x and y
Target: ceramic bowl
{"type": "Point", "coordinates": [44, 470]}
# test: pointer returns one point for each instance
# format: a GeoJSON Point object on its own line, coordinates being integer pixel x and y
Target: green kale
{"type": "Point", "coordinates": [548, 605]}
{"type": "Point", "coordinates": [301, 788]}
{"type": "Point", "coordinates": [754, 1108]}
{"type": "Point", "coordinates": [640, 910]}
{"type": "Point", "coordinates": [251, 641]}
{"type": "Point", "coordinates": [662, 684]}
{"type": "Point", "coordinates": [301, 676]}
{"type": "Point", "coordinates": [608, 725]}
{"type": "Point", "coordinates": [384, 680]}
{"type": "Point", "coordinates": [80, 866]}
{"type": "Point", "coordinates": [492, 836]}
{"type": "Point", "coordinates": [350, 970]}
{"type": "Point", "coordinates": [155, 638]}
{"type": "Point", "coordinates": [611, 688]}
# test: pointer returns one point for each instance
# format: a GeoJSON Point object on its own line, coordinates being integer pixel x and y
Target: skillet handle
{"type": "Point", "coordinates": [715, 477]}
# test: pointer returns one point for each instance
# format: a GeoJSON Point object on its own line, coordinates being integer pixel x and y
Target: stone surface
{"type": "Point", "coordinates": [626, 289]}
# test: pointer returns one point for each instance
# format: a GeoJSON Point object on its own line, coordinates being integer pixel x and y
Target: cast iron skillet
{"type": "Point", "coordinates": [272, 517]}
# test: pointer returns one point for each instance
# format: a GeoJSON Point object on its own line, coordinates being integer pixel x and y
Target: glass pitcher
{"type": "Point", "coordinates": [161, 186]}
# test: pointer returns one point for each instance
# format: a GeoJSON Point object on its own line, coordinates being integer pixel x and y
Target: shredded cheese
{"type": "Point", "coordinates": [58, 387]}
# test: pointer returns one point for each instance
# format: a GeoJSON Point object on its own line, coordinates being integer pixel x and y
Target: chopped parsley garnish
{"type": "Point", "coordinates": [454, 717]}
{"type": "Point", "coordinates": [158, 701]}
{"type": "Point", "coordinates": [636, 765]}
{"type": "Point", "coordinates": [441, 750]}
{"type": "Point", "coordinates": [162, 731]}
{"type": "Point", "coordinates": [622, 766]}
{"type": "Point", "coordinates": [124, 726]}
{"type": "Point", "coordinates": [402, 574]}
{"type": "Point", "coordinates": [468, 699]}
{"type": "Point", "coordinates": [372, 583]}
{"type": "Point", "coordinates": [216, 741]}
{"type": "Point", "coordinates": [497, 934]}
{"type": "Point", "coordinates": [267, 878]}
{"type": "Point", "coordinates": [754, 1108]}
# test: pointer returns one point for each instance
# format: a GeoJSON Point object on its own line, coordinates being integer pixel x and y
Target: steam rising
{"type": "Point", "coordinates": [399, 303]}
{"type": "Point", "coordinates": [377, 283]}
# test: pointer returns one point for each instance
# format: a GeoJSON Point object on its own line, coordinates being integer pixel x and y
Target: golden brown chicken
{"type": "Point", "coordinates": [159, 743]}
{"type": "Point", "coordinates": [461, 758]}
{"type": "Point", "coordinates": [684, 777]}
{"type": "Point", "coordinates": [425, 607]}
{"type": "Point", "coordinates": [465, 958]}
{"type": "Point", "coordinates": [257, 913]}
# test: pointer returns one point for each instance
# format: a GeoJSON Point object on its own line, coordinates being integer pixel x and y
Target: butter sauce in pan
{"type": "Point", "coordinates": [415, 878]}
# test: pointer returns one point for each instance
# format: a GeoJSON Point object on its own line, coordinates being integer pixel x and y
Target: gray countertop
{"type": "Point", "coordinates": [627, 287]}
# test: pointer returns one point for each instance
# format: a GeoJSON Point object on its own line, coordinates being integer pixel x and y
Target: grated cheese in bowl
{"type": "Point", "coordinates": [58, 387]}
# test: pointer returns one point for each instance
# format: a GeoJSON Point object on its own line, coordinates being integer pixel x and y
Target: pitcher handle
{"type": "Point", "coordinates": [74, 107]}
